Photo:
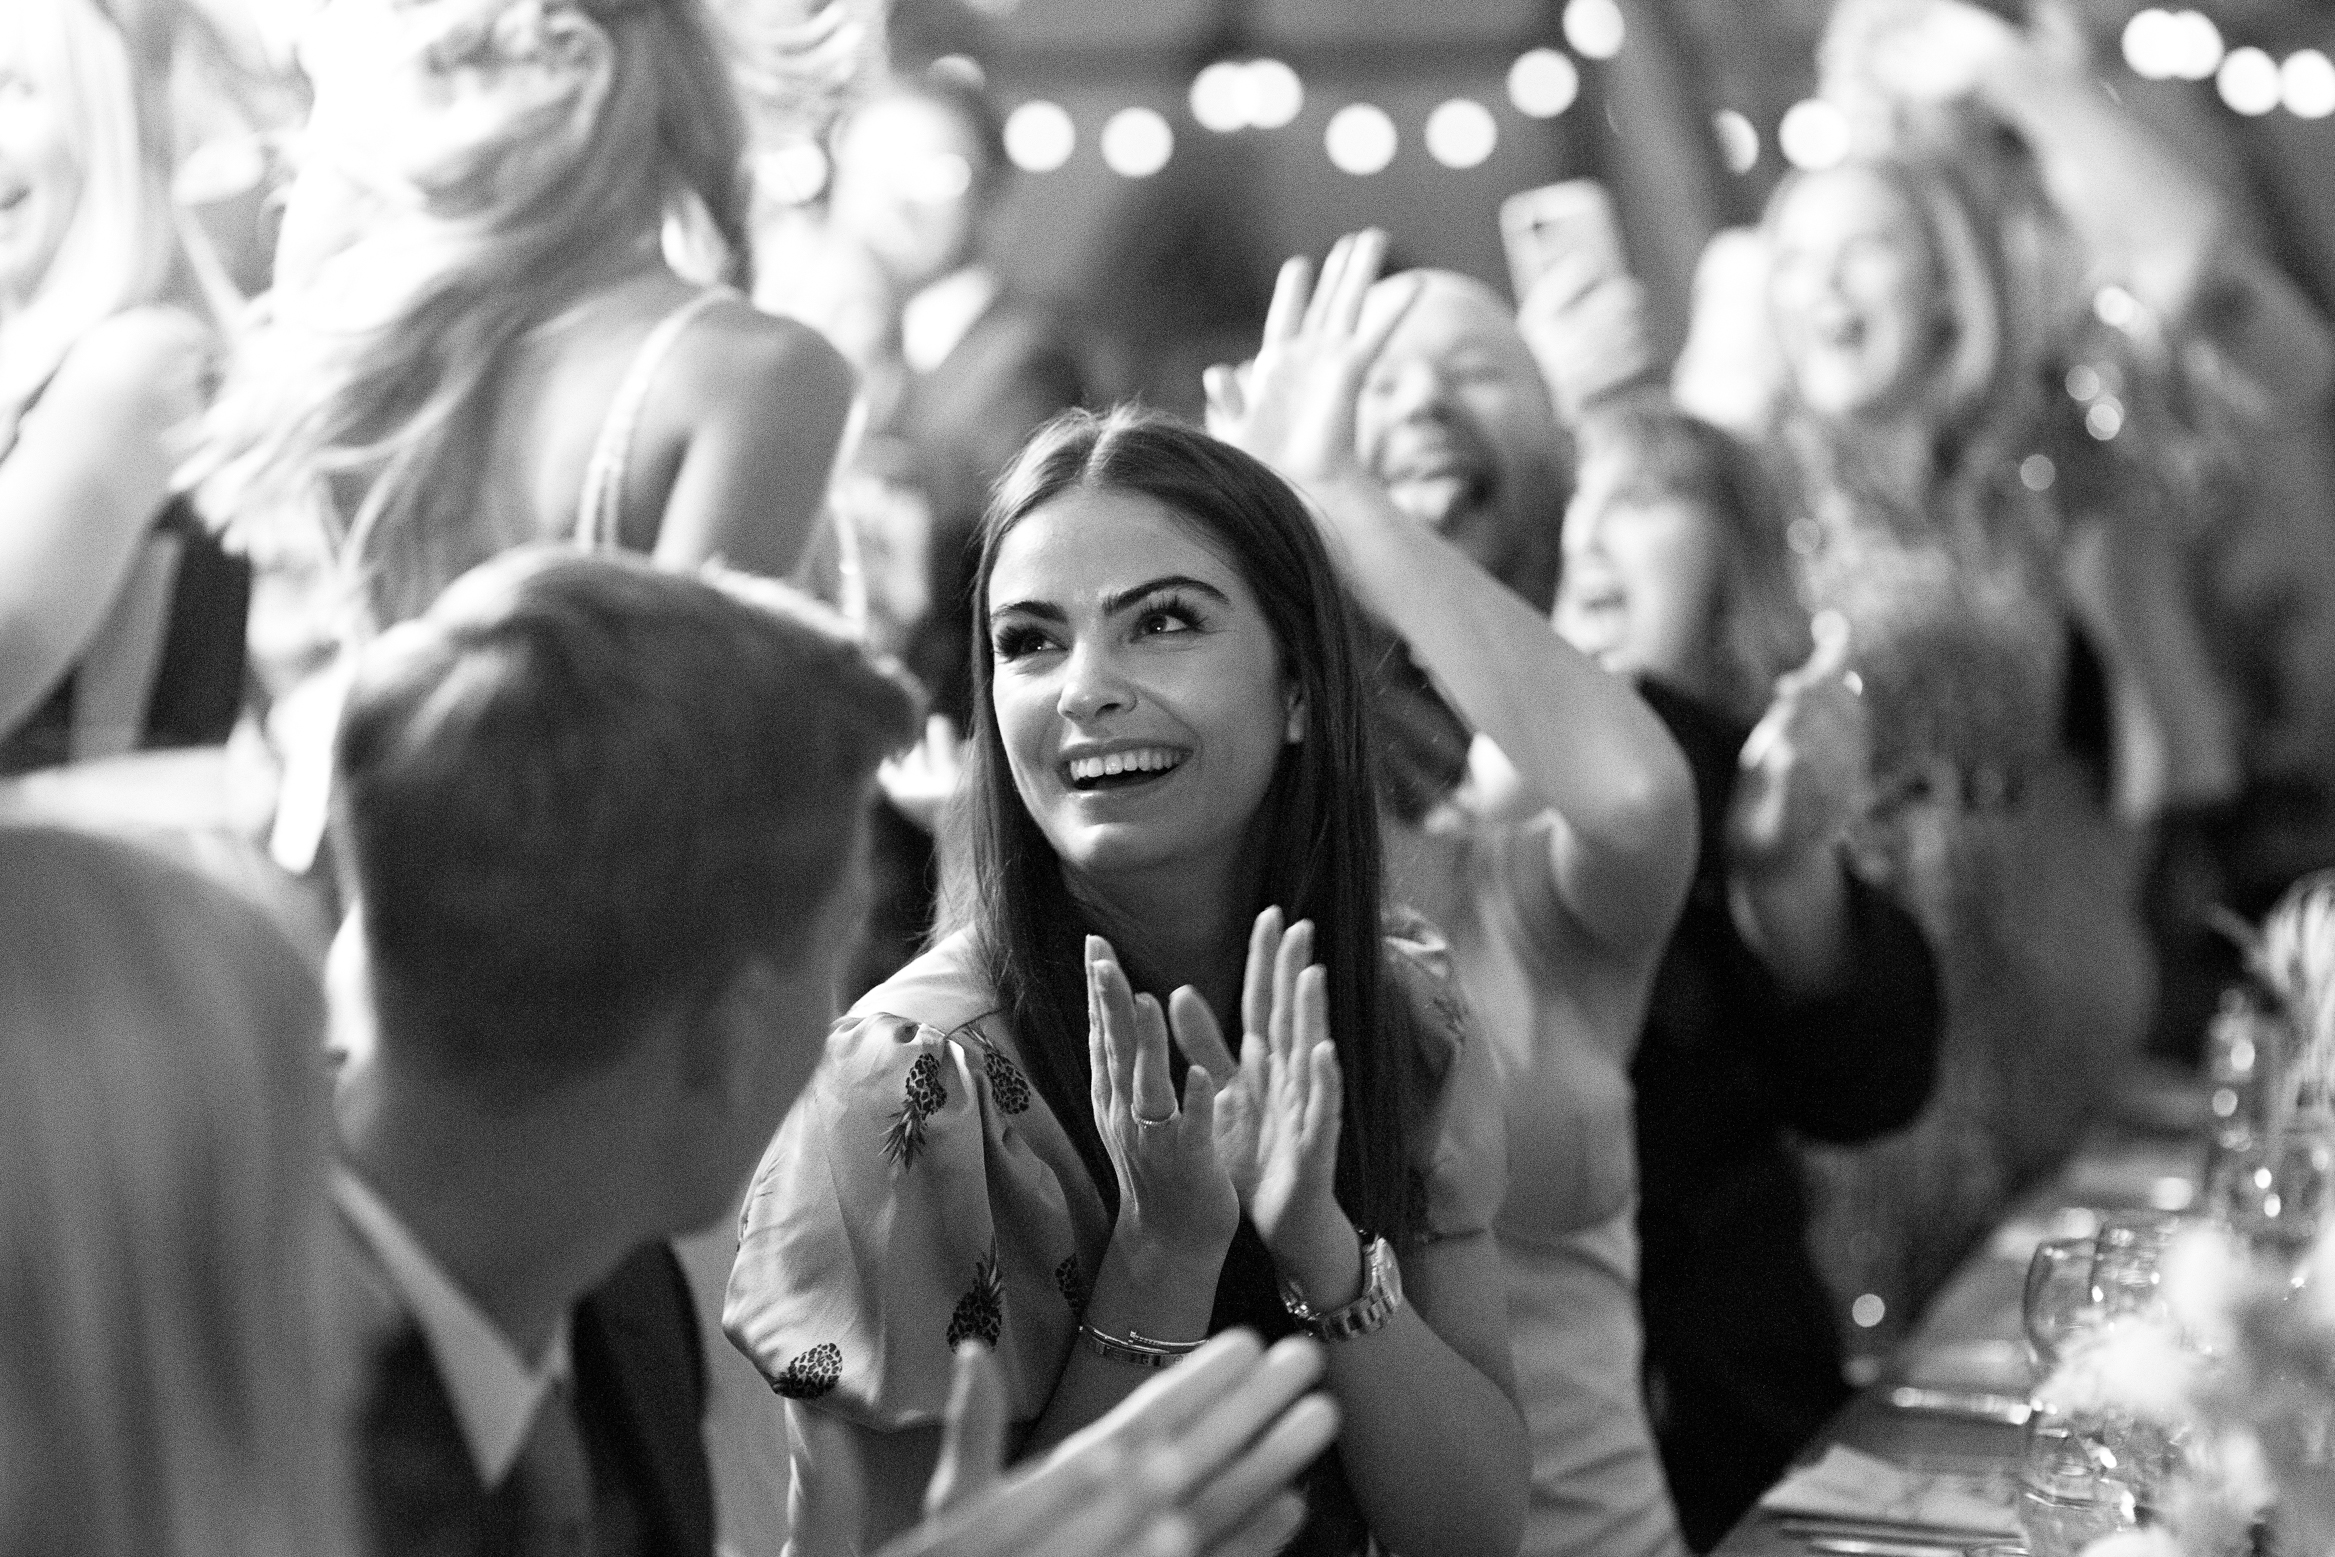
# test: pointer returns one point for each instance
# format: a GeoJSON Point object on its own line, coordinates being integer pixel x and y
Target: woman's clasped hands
{"type": "Point", "coordinates": [1264, 1141]}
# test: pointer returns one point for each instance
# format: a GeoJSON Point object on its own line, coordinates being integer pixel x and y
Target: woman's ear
{"type": "Point", "coordinates": [1293, 721]}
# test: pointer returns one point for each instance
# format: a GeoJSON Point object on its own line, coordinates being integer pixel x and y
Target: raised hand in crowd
{"type": "Point", "coordinates": [1623, 841]}
{"type": "Point", "coordinates": [921, 779]}
{"type": "Point", "coordinates": [1806, 783]}
{"type": "Point", "coordinates": [1197, 1463]}
{"type": "Point", "coordinates": [1293, 406]}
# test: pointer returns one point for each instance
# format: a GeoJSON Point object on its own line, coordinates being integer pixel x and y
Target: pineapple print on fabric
{"type": "Point", "coordinates": [1070, 1280]}
{"type": "Point", "coordinates": [1005, 1080]}
{"type": "Point", "coordinates": [980, 1313]}
{"type": "Point", "coordinates": [925, 1095]}
{"type": "Point", "coordinates": [811, 1374]}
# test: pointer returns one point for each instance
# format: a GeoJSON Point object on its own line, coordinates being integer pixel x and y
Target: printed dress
{"type": "Point", "coordinates": [921, 1192]}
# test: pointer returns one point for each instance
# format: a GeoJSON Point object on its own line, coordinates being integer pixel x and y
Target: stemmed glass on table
{"type": "Point", "coordinates": [2083, 1477]}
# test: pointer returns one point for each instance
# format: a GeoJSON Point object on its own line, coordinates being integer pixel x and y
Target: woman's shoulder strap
{"type": "Point", "coordinates": [600, 514]}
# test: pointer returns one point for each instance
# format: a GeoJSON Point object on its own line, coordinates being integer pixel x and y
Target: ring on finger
{"type": "Point", "coordinates": [1142, 1123]}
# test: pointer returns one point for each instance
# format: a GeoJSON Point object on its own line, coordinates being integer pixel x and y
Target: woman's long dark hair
{"type": "Point", "coordinates": [1316, 833]}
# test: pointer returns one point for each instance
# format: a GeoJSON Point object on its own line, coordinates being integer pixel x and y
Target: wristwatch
{"type": "Point", "coordinates": [1381, 1298]}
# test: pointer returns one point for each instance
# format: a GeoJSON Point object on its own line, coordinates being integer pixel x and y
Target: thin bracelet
{"type": "Point", "coordinates": [1137, 1350]}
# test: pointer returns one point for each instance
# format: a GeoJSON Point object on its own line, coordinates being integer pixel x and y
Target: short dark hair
{"type": "Point", "coordinates": [1318, 823]}
{"type": "Point", "coordinates": [580, 793]}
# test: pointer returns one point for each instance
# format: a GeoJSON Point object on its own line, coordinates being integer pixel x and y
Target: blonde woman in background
{"type": "Point", "coordinates": [476, 339]}
{"type": "Point", "coordinates": [1910, 400]}
{"type": "Point", "coordinates": [164, 1379]}
{"type": "Point", "coordinates": [121, 621]}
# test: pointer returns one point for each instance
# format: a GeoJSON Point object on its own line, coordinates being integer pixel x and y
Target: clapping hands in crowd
{"type": "Point", "coordinates": [1263, 1142]}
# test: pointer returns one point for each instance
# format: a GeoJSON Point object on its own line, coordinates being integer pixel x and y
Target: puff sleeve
{"type": "Point", "coordinates": [916, 1196]}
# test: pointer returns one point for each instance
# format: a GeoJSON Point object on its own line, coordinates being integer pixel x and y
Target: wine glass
{"type": "Point", "coordinates": [2127, 1260]}
{"type": "Point", "coordinates": [2065, 1501]}
{"type": "Point", "coordinates": [2058, 1301]}
{"type": "Point", "coordinates": [2272, 1189]}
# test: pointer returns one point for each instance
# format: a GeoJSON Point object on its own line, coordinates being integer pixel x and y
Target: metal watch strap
{"type": "Point", "coordinates": [1136, 1349]}
{"type": "Point", "coordinates": [1380, 1300]}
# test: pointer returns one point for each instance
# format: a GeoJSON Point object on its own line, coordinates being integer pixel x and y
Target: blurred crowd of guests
{"type": "Point", "coordinates": [1656, 853]}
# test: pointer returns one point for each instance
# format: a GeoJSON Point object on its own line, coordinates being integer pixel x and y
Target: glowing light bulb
{"type": "Point", "coordinates": [1039, 136]}
{"type": "Point", "coordinates": [1543, 83]}
{"type": "Point", "coordinates": [1595, 28]}
{"type": "Point", "coordinates": [2152, 44]}
{"type": "Point", "coordinates": [1136, 142]}
{"type": "Point", "coordinates": [2306, 84]}
{"type": "Point", "coordinates": [1275, 94]}
{"type": "Point", "coordinates": [1223, 97]}
{"type": "Point", "coordinates": [1461, 133]}
{"type": "Point", "coordinates": [2194, 46]}
{"type": "Point", "coordinates": [1360, 139]}
{"type": "Point", "coordinates": [2248, 82]}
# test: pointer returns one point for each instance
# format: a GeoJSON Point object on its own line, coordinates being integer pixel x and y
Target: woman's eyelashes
{"type": "Point", "coordinates": [1156, 616]}
{"type": "Point", "coordinates": [1018, 640]}
{"type": "Point", "coordinates": [1167, 613]}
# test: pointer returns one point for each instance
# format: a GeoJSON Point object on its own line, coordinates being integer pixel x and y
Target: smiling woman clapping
{"type": "Point", "coordinates": [1168, 791]}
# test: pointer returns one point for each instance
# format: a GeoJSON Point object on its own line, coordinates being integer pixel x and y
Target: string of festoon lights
{"type": "Point", "coordinates": [2164, 45]}
{"type": "Point", "coordinates": [1234, 96]}
{"type": "Point", "coordinates": [2158, 45]}
{"type": "Point", "coordinates": [1229, 97]}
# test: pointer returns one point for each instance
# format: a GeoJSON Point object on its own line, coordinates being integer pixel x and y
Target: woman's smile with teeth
{"type": "Point", "coordinates": [1141, 761]}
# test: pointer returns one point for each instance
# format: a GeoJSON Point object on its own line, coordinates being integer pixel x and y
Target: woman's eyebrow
{"type": "Point", "coordinates": [1113, 604]}
{"type": "Point", "coordinates": [1040, 609]}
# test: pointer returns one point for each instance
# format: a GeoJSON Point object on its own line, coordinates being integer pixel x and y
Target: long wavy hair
{"type": "Point", "coordinates": [1978, 396]}
{"type": "Point", "coordinates": [122, 244]}
{"type": "Point", "coordinates": [377, 423]}
{"type": "Point", "coordinates": [1316, 831]}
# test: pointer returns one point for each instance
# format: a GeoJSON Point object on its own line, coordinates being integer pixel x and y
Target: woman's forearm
{"type": "Point", "coordinates": [1435, 1453]}
{"type": "Point", "coordinates": [1434, 1446]}
{"type": "Point", "coordinates": [1146, 1292]}
{"type": "Point", "coordinates": [1581, 740]}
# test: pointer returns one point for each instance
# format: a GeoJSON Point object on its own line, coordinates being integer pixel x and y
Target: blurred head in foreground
{"type": "Point", "coordinates": [164, 1384]}
{"type": "Point", "coordinates": [601, 826]}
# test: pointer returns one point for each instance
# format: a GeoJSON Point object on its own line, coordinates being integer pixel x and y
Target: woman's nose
{"type": "Point", "coordinates": [1092, 685]}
